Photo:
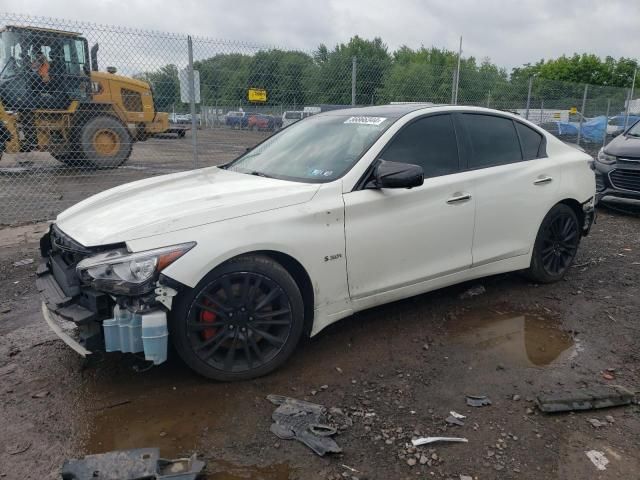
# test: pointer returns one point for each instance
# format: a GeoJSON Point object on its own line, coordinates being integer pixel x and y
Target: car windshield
{"type": "Point", "coordinates": [318, 149]}
{"type": "Point", "coordinates": [634, 131]}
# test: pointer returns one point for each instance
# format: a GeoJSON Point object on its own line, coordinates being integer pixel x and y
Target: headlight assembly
{"type": "Point", "coordinates": [118, 271]}
{"type": "Point", "coordinates": [605, 157]}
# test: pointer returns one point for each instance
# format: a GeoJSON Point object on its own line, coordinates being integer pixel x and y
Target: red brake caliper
{"type": "Point", "coordinates": [207, 317]}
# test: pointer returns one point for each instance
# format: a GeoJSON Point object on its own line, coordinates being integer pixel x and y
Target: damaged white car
{"type": "Point", "coordinates": [337, 213]}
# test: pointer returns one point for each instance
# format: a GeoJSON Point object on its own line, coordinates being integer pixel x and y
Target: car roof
{"type": "Point", "coordinates": [391, 110]}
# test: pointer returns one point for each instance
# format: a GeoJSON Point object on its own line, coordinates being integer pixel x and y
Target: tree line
{"type": "Point", "coordinates": [294, 79]}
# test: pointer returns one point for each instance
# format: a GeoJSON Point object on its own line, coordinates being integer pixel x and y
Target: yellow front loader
{"type": "Point", "coordinates": [54, 99]}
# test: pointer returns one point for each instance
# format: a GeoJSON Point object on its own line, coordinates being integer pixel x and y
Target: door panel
{"type": "Point", "coordinates": [511, 203]}
{"type": "Point", "coordinates": [514, 189]}
{"type": "Point", "coordinates": [398, 237]}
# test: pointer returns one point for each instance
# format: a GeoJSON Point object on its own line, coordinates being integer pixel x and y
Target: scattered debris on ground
{"type": "Point", "coordinates": [303, 421]}
{"type": "Point", "coordinates": [136, 464]}
{"type": "Point", "coordinates": [22, 263]}
{"type": "Point", "coordinates": [425, 440]}
{"type": "Point", "coordinates": [598, 459]}
{"type": "Point", "coordinates": [478, 400]}
{"type": "Point", "coordinates": [473, 292]}
{"type": "Point", "coordinates": [584, 399]}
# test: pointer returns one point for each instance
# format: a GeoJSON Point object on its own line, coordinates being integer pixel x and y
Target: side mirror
{"type": "Point", "coordinates": [396, 175]}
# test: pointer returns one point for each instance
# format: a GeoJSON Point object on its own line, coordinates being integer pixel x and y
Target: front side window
{"type": "Point", "coordinates": [429, 142]}
{"type": "Point", "coordinates": [494, 140]}
{"type": "Point", "coordinates": [317, 150]}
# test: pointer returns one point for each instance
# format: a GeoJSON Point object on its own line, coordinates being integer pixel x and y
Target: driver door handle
{"type": "Point", "coordinates": [542, 180]}
{"type": "Point", "coordinates": [459, 198]}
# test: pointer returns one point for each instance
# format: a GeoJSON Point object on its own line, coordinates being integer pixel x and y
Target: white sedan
{"type": "Point", "coordinates": [340, 212]}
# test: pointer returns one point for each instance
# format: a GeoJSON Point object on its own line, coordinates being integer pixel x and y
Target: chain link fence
{"type": "Point", "coordinates": [86, 107]}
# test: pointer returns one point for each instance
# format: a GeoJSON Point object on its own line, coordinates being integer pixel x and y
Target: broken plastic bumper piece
{"type": "Point", "coordinates": [137, 464]}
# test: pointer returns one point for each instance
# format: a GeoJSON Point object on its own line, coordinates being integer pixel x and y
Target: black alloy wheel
{"type": "Point", "coordinates": [560, 243]}
{"type": "Point", "coordinates": [242, 322]}
{"type": "Point", "coordinates": [556, 245]}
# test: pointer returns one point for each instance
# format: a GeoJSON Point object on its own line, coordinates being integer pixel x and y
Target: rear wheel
{"type": "Point", "coordinates": [243, 320]}
{"type": "Point", "coordinates": [105, 142]}
{"type": "Point", "coordinates": [556, 245]}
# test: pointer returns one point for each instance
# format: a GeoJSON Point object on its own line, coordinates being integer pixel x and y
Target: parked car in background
{"type": "Point", "coordinates": [338, 213]}
{"type": "Point", "coordinates": [291, 116]}
{"type": "Point", "coordinates": [236, 119]}
{"type": "Point", "coordinates": [615, 125]}
{"type": "Point", "coordinates": [180, 118]}
{"type": "Point", "coordinates": [618, 166]}
{"type": "Point", "coordinates": [259, 121]}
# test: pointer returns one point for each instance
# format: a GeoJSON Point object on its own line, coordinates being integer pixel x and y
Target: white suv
{"type": "Point", "coordinates": [340, 212]}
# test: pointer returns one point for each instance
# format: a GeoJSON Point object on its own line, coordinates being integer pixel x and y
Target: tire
{"type": "Point", "coordinates": [555, 246]}
{"type": "Point", "coordinates": [105, 142]}
{"type": "Point", "coordinates": [236, 300]}
{"type": "Point", "coordinates": [71, 159]}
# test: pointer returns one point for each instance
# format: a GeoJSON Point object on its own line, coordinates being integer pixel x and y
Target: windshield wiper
{"type": "Point", "coordinates": [259, 174]}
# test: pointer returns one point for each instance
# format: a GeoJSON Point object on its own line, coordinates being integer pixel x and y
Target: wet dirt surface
{"type": "Point", "coordinates": [396, 371]}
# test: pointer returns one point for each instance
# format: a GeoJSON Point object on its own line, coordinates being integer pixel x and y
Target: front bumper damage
{"type": "Point", "coordinates": [90, 321]}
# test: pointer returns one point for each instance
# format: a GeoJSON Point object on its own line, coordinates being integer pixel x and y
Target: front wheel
{"type": "Point", "coordinates": [556, 245]}
{"type": "Point", "coordinates": [242, 321]}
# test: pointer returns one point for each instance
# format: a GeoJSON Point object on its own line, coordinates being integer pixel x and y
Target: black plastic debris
{"type": "Point", "coordinates": [451, 420]}
{"type": "Point", "coordinates": [584, 399]}
{"type": "Point", "coordinates": [136, 464]}
{"type": "Point", "coordinates": [303, 421]}
{"type": "Point", "coordinates": [478, 400]}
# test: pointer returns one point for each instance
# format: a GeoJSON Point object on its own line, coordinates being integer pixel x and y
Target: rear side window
{"type": "Point", "coordinates": [429, 142]}
{"type": "Point", "coordinates": [494, 140]}
{"type": "Point", "coordinates": [530, 141]}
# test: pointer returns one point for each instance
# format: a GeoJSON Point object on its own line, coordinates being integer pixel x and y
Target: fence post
{"type": "Point", "coordinates": [584, 106]}
{"type": "Point", "coordinates": [354, 62]}
{"type": "Point", "coordinates": [633, 84]}
{"type": "Point", "coordinates": [455, 97]}
{"type": "Point", "coordinates": [526, 114]}
{"type": "Point", "coordinates": [604, 137]}
{"type": "Point", "coordinates": [541, 111]}
{"type": "Point", "coordinates": [192, 101]}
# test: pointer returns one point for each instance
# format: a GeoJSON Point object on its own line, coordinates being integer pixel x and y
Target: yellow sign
{"type": "Point", "coordinates": [573, 110]}
{"type": "Point", "coordinates": [257, 95]}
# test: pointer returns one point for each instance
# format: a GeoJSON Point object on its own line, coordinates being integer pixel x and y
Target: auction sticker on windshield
{"type": "Point", "coordinates": [365, 120]}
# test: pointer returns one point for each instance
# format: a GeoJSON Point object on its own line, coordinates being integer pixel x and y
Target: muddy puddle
{"type": "Point", "coordinates": [219, 470]}
{"type": "Point", "coordinates": [174, 410]}
{"type": "Point", "coordinates": [518, 339]}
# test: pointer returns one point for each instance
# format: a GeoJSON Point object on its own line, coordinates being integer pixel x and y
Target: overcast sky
{"type": "Point", "coordinates": [509, 32]}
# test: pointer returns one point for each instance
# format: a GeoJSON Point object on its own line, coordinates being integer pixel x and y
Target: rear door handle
{"type": "Point", "coordinates": [459, 198]}
{"type": "Point", "coordinates": [542, 180]}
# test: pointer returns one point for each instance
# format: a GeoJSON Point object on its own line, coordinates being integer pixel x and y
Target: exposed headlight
{"type": "Point", "coordinates": [605, 157]}
{"type": "Point", "coordinates": [118, 271]}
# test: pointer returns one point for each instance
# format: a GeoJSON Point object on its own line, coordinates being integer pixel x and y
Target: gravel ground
{"type": "Point", "coordinates": [395, 372]}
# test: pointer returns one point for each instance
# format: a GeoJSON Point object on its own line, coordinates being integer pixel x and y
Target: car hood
{"type": "Point", "coordinates": [172, 202]}
{"type": "Point", "coordinates": [623, 146]}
